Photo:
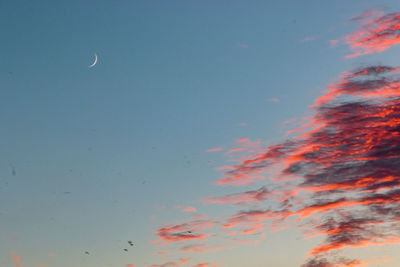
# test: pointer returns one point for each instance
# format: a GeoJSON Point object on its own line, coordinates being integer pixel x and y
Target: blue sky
{"type": "Point", "coordinates": [102, 155]}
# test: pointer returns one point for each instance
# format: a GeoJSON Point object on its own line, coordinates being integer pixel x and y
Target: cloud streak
{"type": "Point", "coordinates": [258, 195]}
{"type": "Point", "coordinates": [375, 35]}
{"type": "Point", "coordinates": [183, 232]}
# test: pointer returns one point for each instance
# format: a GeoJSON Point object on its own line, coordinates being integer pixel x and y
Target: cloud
{"type": "Point", "coordinates": [204, 265]}
{"type": "Point", "coordinates": [258, 195]}
{"type": "Point", "coordinates": [183, 232]}
{"type": "Point", "coordinates": [187, 208]}
{"type": "Point", "coordinates": [250, 169]}
{"type": "Point", "coordinates": [347, 166]}
{"type": "Point", "coordinates": [333, 43]}
{"type": "Point", "coordinates": [202, 248]}
{"type": "Point", "coordinates": [337, 262]}
{"type": "Point", "coordinates": [16, 260]}
{"type": "Point", "coordinates": [181, 261]}
{"type": "Point", "coordinates": [375, 35]}
{"type": "Point", "coordinates": [339, 177]}
{"type": "Point", "coordinates": [274, 99]}
{"type": "Point", "coordinates": [166, 264]}
{"type": "Point", "coordinates": [216, 149]}
{"type": "Point", "coordinates": [366, 15]}
{"type": "Point", "coordinates": [184, 260]}
{"type": "Point", "coordinates": [308, 39]}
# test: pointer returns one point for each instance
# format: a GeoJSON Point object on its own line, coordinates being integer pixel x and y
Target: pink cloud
{"type": "Point", "coordinates": [366, 15]}
{"type": "Point", "coordinates": [203, 265]}
{"type": "Point", "coordinates": [183, 232]}
{"type": "Point", "coordinates": [202, 248]}
{"type": "Point", "coordinates": [308, 39]}
{"type": "Point", "coordinates": [333, 43]}
{"type": "Point", "coordinates": [184, 260]}
{"type": "Point", "coordinates": [187, 208]}
{"type": "Point", "coordinates": [375, 35]}
{"type": "Point", "coordinates": [274, 99]}
{"type": "Point", "coordinates": [216, 149]}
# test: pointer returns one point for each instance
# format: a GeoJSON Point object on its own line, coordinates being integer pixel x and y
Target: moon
{"type": "Point", "coordinates": [94, 62]}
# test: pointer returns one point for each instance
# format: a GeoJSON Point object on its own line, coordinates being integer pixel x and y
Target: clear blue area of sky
{"type": "Point", "coordinates": [97, 150]}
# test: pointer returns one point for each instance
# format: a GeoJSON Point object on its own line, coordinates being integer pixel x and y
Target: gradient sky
{"type": "Point", "coordinates": [130, 149]}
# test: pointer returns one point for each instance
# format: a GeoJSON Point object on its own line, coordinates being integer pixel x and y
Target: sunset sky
{"type": "Point", "coordinates": [208, 133]}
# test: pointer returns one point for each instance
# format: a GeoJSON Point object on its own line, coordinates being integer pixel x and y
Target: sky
{"type": "Point", "coordinates": [208, 133]}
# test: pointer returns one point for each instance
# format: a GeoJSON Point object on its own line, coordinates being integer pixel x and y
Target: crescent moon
{"type": "Point", "coordinates": [95, 61]}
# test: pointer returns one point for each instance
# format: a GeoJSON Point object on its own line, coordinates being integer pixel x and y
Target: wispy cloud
{"type": "Point", "coordinates": [205, 265]}
{"type": "Point", "coordinates": [273, 99]}
{"type": "Point", "coordinates": [187, 208]}
{"type": "Point", "coordinates": [308, 39]}
{"type": "Point", "coordinates": [333, 43]}
{"type": "Point", "coordinates": [337, 262]}
{"type": "Point", "coordinates": [202, 248]}
{"type": "Point", "coordinates": [241, 198]}
{"type": "Point", "coordinates": [366, 15]}
{"type": "Point", "coordinates": [184, 231]}
{"type": "Point", "coordinates": [375, 35]}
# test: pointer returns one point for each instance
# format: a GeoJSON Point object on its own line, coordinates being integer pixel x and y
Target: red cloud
{"type": "Point", "coordinates": [346, 166]}
{"type": "Point", "coordinates": [375, 35]}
